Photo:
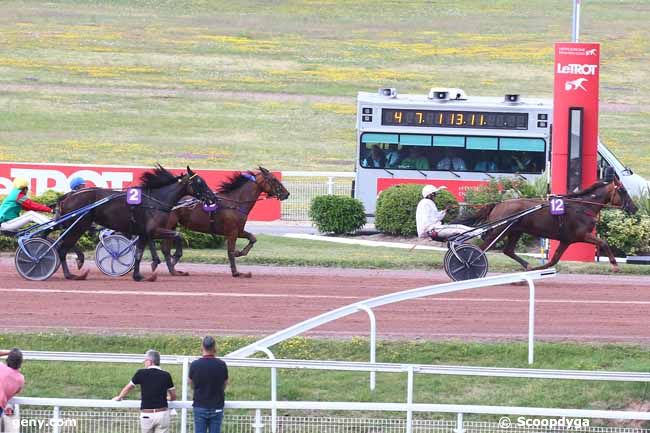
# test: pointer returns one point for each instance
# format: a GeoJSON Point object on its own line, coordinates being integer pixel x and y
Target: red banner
{"type": "Point", "coordinates": [576, 88]}
{"type": "Point", "coordinates": [57, 177]}
{"type": "Point", "coordinates": [456, 187]}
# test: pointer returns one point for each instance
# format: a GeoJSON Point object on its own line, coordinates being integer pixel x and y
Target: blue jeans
{"type": "Point", "coordinates": [207, 420]}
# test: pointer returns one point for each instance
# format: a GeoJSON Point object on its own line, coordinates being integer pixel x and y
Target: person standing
{"type": "Point", "coordinates": [156, 385]}
{"type": "Point", "coordinates": [10, 218]}
{"type": "Point", "coordinates": [209, 377]}
{"type": "Point", "coordinates": [11, 380]}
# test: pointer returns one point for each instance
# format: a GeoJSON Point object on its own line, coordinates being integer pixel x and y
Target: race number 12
{"type": "Point", "coordinates": [557, 206]}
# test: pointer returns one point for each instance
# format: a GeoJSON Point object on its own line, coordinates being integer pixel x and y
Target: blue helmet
{"type": "Point", "coordinates": [76, 183]}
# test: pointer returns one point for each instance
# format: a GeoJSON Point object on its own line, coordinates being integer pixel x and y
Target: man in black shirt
{"type": "Point", "coordinates": [209, 377]}
{"type": "Point", "coordinates": [155, 385]}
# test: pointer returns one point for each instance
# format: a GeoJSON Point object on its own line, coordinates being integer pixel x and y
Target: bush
{"type": "Point", "coordinates": [198, 240]}
{"type": "Point", "coordinates": [627, 234]}
{"type": "Point", "coordinates": [396, 207]}
{"type": "Point", "coordinates": [337, 214]}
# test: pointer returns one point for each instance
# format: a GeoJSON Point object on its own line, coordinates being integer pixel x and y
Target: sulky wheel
{"type": "Point", "coordinates": [465, 262]}
{"type": "Point", "coordinates": [36, 259]}
{"type": "Point", "coordinates": [114, 255]}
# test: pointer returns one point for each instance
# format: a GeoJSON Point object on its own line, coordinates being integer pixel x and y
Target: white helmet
{"type": "Point", "coordinates": [430, 189]}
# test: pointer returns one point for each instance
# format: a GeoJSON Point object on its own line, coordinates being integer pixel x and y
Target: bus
{"type": "Point", "coordinates": [447, 138]}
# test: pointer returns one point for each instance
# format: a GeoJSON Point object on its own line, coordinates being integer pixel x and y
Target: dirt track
{"type": "Point", "coordinates": [569, 307]}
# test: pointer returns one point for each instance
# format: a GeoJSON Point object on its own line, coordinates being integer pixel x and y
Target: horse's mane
{"type": "Point", "coordinates": [157, 178]}
{"type": "Point", "coordinates": [235, 181]}
{"type": "Point", "coordinates": [587, 190]}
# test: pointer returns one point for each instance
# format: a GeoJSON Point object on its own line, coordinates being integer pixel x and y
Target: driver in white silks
{"type": "Point", "coordinates": [429, 218]}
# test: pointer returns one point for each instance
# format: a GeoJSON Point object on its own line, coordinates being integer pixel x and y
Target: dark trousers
{"type": "Point", "coordinates": [207, 420]}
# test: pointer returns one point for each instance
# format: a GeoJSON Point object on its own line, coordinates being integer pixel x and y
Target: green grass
{"type": "Point", "coordinates": [283, 251]}
{"type": "Point", "coordinates": [142, 81]}
{"type": "Point", "coordinates": [69, 379]}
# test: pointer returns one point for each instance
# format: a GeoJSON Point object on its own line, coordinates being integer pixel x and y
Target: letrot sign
{"type": "Point", "coordinates": [575, 126]}
{"type": "Point", "coordinates": [43, 177]}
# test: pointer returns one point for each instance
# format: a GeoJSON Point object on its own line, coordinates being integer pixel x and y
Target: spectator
{"type": "Point", "coordinates": [392, 156]}
{"type": "Point", "coordinates": [485, 163]}
{"type": "Point", "coordinates": [429, 218]}
{"type": "Point", "coordinates": [376, 159]}
{"type": "Point", "coordinates": [415, 160]}
{"type": "Point", "coordinates": [451, 161]}
{"type": "Point", "coordinates": [156, 385]}
{"type": "Point", "coordinates": [11, 380]}
{"type": "Point", "coordinates": [17, 200]}
{"type": "Point", "coordinates": [209, 377]}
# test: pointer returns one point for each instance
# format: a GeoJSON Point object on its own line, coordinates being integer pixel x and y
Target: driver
{"type": "Point", "coordinates": [429, 218]}
{"type": "Point", "coordinates": [10, 218]}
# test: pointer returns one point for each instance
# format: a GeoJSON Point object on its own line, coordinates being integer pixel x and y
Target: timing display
{"type": "Point", "coordinates": [454, 119]}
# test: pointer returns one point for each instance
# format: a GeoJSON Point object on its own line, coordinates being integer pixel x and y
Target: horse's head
{"type": "Point", "coordinates": [197, 187]}
{"type": "Point", "coordinates": [620, 197]}
{"type": "Point", "coordinates": [271, 185]}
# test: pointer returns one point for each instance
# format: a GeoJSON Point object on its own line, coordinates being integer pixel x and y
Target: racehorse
{"type": "Point", "coordinates": [576, 225]}
{"type": "Point", "coordinates": [160, 191]}
{"type": "Point", "coordinates": [235, 199]}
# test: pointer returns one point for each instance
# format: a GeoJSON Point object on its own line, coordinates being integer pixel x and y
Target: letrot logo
{"type": "Point", "coordinates": [577, 69]}
{"type": "Point", "coordinates": [591, 52]}
{"type": "Point", "coordinates": [575, 84]}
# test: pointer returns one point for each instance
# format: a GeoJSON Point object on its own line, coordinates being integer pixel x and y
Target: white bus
{"type": "Point", "coordinates": [447, 138]}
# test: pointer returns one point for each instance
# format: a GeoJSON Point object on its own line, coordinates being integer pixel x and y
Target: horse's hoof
{"type": "Point", "coordinates": [180, 274]}
{"type": "Point", "coordinates": [152, 278]}
{"type": "Point", "coordinates": [80, 264]}
{"type": "Point", "coordinates": [616, 269]}
{"type": "Point", "coordinates": [78, 277]}
{"type": "Point", "coordinates": [246, 275]}
{"type": "Point", "coordinates": [138, 277]}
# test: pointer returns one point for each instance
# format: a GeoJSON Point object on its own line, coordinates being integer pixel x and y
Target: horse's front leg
{"type": "Point", "coordinates": [601, 243]}
{"type": "Point", "coordinates": [139, 251]}
{"type": "Point", "coordinates": [167, 235]}
{"type": "Point", "coordinates": [80, 256]}
{"type": "Point", "coordinates": [232, 253]}
{"type": "Point", "coordinates": [155, 259]}
{"type": "Point", "coordinates": [251, 241]}
{"type": "Point", "coordinates": [556, 257]}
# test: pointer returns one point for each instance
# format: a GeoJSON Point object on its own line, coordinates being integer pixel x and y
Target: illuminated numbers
{"type": "Point", "coordinates": [482, 120]}
{"type": "Point", "coordinates": [440, 119]}
{"type": "Point", "coordinates": [398, 117]}
{"type": "Point", "coordinates": [471, 122]}
{"type": "Point", "coordinates": [420, 117]}
{"type": "Point", "coordinates": [455, 119]}
{"type": "Point", "coordinates": [460, 118]}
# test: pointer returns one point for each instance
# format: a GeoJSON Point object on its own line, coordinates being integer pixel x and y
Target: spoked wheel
{"type": "Point", "coordinates": [465, 262]}
{"type": "Point", "coordinates": [44, 260]}
{"type": "Point", "coordinates": [115, 255]}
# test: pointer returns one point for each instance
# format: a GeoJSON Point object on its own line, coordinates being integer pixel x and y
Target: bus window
{"type": "Point", "coordinates": [601, 165]}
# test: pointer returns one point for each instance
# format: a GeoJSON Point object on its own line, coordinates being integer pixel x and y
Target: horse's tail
{"type": "Point", "coordinates": [481, 215]}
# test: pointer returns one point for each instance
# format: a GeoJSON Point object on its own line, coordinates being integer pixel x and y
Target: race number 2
{"type": "Point", "coordinates": [557, 206]}
{"type": "Point", "coordinates": [134, 196]}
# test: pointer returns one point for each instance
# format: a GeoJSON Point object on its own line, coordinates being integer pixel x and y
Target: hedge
{"type": "Point", "coordinates": [337, 214]}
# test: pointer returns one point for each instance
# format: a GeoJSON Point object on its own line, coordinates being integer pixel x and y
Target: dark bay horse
{"type": "Point", "coordinates": [235, 199]}
{"type": "Point", "coordinates": [148, 220]}
{"type": "Point", "coordinates": [576, 225]}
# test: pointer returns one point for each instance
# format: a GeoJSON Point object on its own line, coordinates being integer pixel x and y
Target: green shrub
{"type": "Point", "coordinates": [198, 240]}
{"type": "Point", "coordinates": [337, 214]}
{"type": "Point", "coordinates": [643, 202]}
{"type": "Point", "coordinates": [627, 234]}
{"type": "Point", "coordinates": [396, 207]}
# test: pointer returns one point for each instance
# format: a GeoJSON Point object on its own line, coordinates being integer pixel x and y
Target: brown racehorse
{"type": "Point", "coordinates": [576, 225]}
{"type": "Point", "coordinates": [235, 199]}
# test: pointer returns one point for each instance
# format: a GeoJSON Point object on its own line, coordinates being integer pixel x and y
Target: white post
{"type": "Point", "coordinates": [55, 419]}
{"type": "Point", "coordinates": [274, 389]}
{"type": "Point", "coordinates": [531, 321]}
{"type": "Point", "coordinates": [576, 21]}
{"type": "Point", "coordinates": [459, 423]}
{"type": "Point", "coordinates": [409, 400]}
{"type": "Point", "coordinates": [257, 425]}
{"type": "Point", "coordinates": [185, 385]}
{"type": "Point", "coordinates": [373, 342]}
{"type": "Point", "coordinates": [330, 185]}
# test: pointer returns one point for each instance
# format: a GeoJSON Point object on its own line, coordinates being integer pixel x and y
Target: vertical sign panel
{"type": "Point", "coordinates": [577, 68]}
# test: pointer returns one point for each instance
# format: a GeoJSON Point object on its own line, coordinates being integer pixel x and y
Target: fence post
{"type": "Point", "coordinates": [409, 400]}
{"type": "Point", "coordinates": [55, 419]}
{"type": "Point", "coordinates": [459, 423]}
{"type": "Point", "coordinates": [330, 185]}
{"type": "Point", "coordinates": [185, 384]}
{"type": "Point", "coordinates": [258, 425]}
{"type": "Point", "coordinates": [274, 389]}
{"type": "Point", "coordinates": [531, 321]}
{"type": "Point", "coordinates": [373, 342]}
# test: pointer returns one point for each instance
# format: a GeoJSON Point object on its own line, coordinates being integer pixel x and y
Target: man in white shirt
{"type": "Point", "coordinates": [429, 218]}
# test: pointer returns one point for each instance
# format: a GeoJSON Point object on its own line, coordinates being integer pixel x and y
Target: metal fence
{"type": "Point", "coordinates": [90, 421]}
{"type": "Point", "coordinates": [305, 185]}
